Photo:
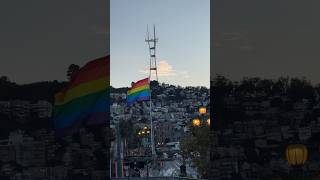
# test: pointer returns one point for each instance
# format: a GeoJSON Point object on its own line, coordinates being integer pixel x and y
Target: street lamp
{"type": "Point", "coordinates": [202, 110]}
{"type": "Point", "coordinates": [208, 121]}
{"type": "Point", "coordinates": [196, 122]}
{"type": "Point", "coordinates": [199, 126]}
{"type": "Point", "coordinates": [297, 155]}
{"type": "Point", "coordinates": [144, 131]}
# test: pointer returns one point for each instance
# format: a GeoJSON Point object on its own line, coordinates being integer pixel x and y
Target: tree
{"type": "Point", "coordinates": [221, 86]}
{"type": "Point", "coordinates": [126, 129]}
{"type": "Point", "coordinates": [248, 85]}
{"type": "Point", "coordinates": [4, 79]}
{"type": "Point", "coordinates": [265, 86]}
{"type": "Point", "coordinates": [197, 147]}
{"type": "Point", "coordinates": [281, 85]}
{"type": "Point", "coordinates": [72, 70]}
{"type": "Point", "coordinates": [128, 133]}
{"type": "Point", "coordinates": [299, 89]}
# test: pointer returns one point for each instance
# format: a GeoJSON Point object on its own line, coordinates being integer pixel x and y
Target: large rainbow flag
{"type": "Point", "coordinates": [85, 99]}
{"type": "Point", "coordinates": [139, 91]}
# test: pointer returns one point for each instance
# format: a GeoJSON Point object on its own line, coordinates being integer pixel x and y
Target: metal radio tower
{"type": "Point", "coordinates": [152, 43]}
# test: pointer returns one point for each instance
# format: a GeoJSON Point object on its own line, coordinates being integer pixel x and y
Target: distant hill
{"type": "Point", "coordinates": [118, 90]}
{"type": "Point", "coordinates": [29, 92]}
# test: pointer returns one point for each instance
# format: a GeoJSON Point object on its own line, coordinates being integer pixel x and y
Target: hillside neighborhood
{"type": "Point", "coordinates": [173, 109]}
{"type": "Point", "coordinates": [256, 119]}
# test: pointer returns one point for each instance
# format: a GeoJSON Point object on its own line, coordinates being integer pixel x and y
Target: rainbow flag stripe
{"type": "Point", "coordinates": [85, 99]}
{"type": "Point", "coordinates": [139, 91]}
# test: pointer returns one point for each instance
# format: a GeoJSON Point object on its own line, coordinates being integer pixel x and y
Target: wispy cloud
{"type": "Point", "coordinates": [166, 71]}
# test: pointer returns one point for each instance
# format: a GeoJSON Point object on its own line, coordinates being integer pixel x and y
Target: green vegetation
{"type": "Point", "coordinates": [197, 147]}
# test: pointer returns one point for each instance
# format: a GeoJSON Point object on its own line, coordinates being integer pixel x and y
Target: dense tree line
{"type": "Point", "coordinates": [34, 91]}
{"type": "Point", "coordinates": [29, 92]}
{"type": "Point", "coordinates": [295, 88]}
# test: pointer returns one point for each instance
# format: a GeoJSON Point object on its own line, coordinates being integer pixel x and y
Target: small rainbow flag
{"type": "Point", "coordinates": [85, 99]}
{"type": "Point", "coordinates": [139, 91]}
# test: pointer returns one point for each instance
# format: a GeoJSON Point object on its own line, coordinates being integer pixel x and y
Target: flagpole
{"type": "Point", "coordinates": [151, 124]}
{"type": "Point", "coordinates": [152, 55]}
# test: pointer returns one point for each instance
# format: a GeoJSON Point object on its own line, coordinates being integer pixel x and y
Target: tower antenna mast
{"type": "Point", "coordinates": [152, 42]}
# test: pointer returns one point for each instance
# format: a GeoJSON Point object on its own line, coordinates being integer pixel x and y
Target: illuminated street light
{"type": "Point", "coordinates": [201, 120]}
{"type": "Point", "coordinates": [202, 110]}
{"type": "Point", "coordinates": [296, 154]}
{"type": "Point", "coordinates": [196, 122]}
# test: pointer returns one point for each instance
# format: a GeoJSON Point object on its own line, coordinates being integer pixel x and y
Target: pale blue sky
{"type": "Point", "coordinates": [183, 29]}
